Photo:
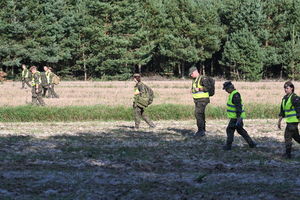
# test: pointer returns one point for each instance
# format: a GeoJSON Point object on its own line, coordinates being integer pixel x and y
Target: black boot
{"type": "Point", "coordinates": [288, 153]}
{"type": "Point", "coordinates": [227, 147]}
{"type": "Point", "coordinates": [199, 134]}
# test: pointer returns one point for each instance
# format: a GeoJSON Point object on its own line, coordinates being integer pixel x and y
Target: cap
{"type": "Point", "coordinates": [32, 67]}
{"type": "Point", "coordinates": [192, 69]}
{"type": "Point", "coordinates": [227, 84]}
{"type": "Point", "coordinates": [136, 75]}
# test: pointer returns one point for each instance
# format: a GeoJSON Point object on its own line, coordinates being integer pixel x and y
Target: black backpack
{"type": "Point", "coordinates": [210, 86]}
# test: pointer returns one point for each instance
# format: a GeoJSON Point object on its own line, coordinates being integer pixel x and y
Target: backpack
{"type": "Point", "coordinates": [55, 79]}
{"type": "Point", "coordinates": [210, 86]}
{"type": "Point", "coordinates": [147, 98]}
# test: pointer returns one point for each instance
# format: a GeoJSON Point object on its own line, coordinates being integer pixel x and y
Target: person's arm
{"type": "Point", "coordinates": [141, 89]}
{"type": "Point", "coordinates": [237, 101]}
{"type": "Point", "coordinates": [281, 116]}
{"type": "Point", "coordinates": [296, 104]}
{"type": "Point", "coordinates": [204, 83]}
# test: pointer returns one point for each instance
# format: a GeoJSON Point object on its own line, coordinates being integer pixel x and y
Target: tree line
{"type": "Point", "coordinates": [111, 39]}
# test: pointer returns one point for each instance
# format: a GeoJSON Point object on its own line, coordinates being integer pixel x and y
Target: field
{"type": "Point", "coordinates": [110, 160]}
{"type": "Point", "coordinates": [121, 92]}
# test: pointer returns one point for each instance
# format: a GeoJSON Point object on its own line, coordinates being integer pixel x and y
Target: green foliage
{"type": "Point", "coordinates": [108, 113]}
{"type": "Point", "coordinates": [100, 39]}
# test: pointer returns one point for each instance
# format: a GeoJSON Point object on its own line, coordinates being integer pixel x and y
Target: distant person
{"type": "Point", "coordinates": [140, 102]}
{"type": "Point", "coordinates": [2, 76]}
{"type": "Point", "coordinates": [50, 77]}
{"type": "Point", "coordinates": [290, 110]}
{"type": "Point", "coordinates": [201, 99]}
{"type": "Point", "coordinates": [36, 87]}
{"type": "Point", "coordinates": [45, 84]}
{"type": "Point", "coordinates": [236, 114]}
{"type": "Point", "coordinates": [25, 77]}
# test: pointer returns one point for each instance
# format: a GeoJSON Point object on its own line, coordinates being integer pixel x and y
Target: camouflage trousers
{"type": "Point", "coordinates": [291, 132]}
{"type": "Point", "coordinates": [37, 98]}
{"type": "Point", "coordinates": [200, 106]}
{"type": "Point", "coordinates": [138, 114]}
{"type": "Point", "coordinates": [51, 92]}
{"type": "Point", "coordinates": [25, 81]}
{"type": "Point", "coordinates": [240, 129]}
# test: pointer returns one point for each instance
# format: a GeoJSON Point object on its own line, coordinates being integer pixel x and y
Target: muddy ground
{"type": "Point", "coordinates": [110, 160]}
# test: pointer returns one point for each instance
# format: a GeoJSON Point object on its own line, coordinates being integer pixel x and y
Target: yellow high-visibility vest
{"type": "Point", "coordinates": [198, 94]}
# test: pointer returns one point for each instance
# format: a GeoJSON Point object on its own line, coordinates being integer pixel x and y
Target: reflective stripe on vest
{"type": "Point", "coordinates": [198, 94]}
{"type": "Point", "coordinates": [289, 110]}
{"type": "Point", "coordinates": [231, 108]}
{"type": "Point", "coordinates": [33, 80]}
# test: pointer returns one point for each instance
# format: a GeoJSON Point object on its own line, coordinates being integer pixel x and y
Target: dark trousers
{"type": "Point", "coordinates": [200, 105]}
{"type": "Point", "coordinates": [51, 92]}
{"type": "Point", "coordinates": [25, 81]}
{"type": "Point", "coordinates": [291, 132]}
{"type": "Point", "coordinates": [45, 89]}
{"type": "Point", "coordinates": [138, 114]}
{"type": "Point", "coordinates": [231, 129]}
{"type": "Point", "coordinates": [37, 96]}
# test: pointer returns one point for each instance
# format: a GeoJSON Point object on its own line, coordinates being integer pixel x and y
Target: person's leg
{"type": "Point", "coordinates": [146, 118]}
{"type": "Point", "coordinates": [200, 117]}
{"type": "Point", "coordinates": [137, 116]}
{"type": "Point", "coordinates": [39, 97]}
{"type": "Point", "coordinates": [230, 134]}
{"type": "Point", "coordinates": [288, 140]}
{"type": "Point", "coordinates": [240, 129]}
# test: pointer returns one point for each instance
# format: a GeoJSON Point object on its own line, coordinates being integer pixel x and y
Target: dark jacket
{"type": "Point", "coordinates": [295, 102]}
{"type": "Point", "coordinates": [237, 101]}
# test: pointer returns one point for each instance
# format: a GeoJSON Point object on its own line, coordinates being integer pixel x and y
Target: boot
{"type": "Point", "coordinates": [227, 147]}
{"type": "Point", "coordinates": [199, 134]}
{"type": "Point", "coordinates": [252, 144]}
{"type": "Point", "coordinates": [287, 154]}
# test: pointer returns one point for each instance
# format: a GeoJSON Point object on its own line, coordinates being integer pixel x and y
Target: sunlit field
{"type": "Point", "coordinates": [120, 93]}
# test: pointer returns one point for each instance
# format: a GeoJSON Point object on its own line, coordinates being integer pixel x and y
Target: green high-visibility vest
{"type": "Point", "coordinates": [33, 81]}
{"type": "Point", "coordinates": [198, 94]}
{"type": "Point", "coordinates": [289, 110]}
{"type": "Point", "coordinates": [231, 108]}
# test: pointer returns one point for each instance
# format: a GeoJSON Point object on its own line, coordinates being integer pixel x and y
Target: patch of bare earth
{"type": "Point", "coordinates": [110, 160]}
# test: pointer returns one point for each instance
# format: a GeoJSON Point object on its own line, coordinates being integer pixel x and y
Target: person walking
{"type": "Point", "coordinates": [36, 87]}
{"type": "Point", "coordinates": [44, 84]}
{"type": "Point", "coordinates": [138, 105]}
{"type": "Point", "coordinates": [236, 114]}
{"type": "Point", "coordinates": [201, 99]}
{"type": "Point", "coordinates": [290, 110]}
{"type": "Point", "coordinates": [25, 77]}
{"type": "Point", "coordinates": [50, 75]}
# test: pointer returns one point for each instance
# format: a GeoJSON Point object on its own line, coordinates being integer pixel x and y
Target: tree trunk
{"type": "Point", "coordinates": [84, 67]}
{"type": "Point", "coordinates": [182, 71]}
{"type": "Point", "coordinates": [179, 70]}
{"type": "Point", "coordinates": [140, 68]}
{"type": "Point", "coordinates": [203, 70]}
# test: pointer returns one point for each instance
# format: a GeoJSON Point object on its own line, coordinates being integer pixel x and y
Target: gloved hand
{"type": "Point", "coordinates": [239, 121]}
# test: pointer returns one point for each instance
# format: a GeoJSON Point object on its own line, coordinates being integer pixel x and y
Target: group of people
{"type": "Point", "coordinates": [289, 109]}
{"type": "Point", "coordinates": [41, 83]}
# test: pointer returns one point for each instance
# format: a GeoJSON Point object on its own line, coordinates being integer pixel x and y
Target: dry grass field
{"type": "Point", "coordinates": [121, 92]}
{"type": "Point", "coordinates": [109, 160]}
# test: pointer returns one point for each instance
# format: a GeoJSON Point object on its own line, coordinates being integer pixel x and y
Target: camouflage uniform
{"type": "Point", "coordinates": [138, 108]}
{"type": "Point", "coordinates": [51, 92]}
{"type": "Point", "coordinates": [26, 74]}
{"type": "Point", "coordinates": [45, 85]}
{"type": "Point", "coordinates": [37, 95]}
{"type": "Point", "coordinates": [291, 130]}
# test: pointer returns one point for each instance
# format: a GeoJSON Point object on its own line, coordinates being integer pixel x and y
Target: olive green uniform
{"type": "Point", "coordinates": [290, 110]}
{"type": "Point", "coordinates": [37, 89]}
{"type": "Point", "coordinates": [45, 85]}
{"type": "Point", "coordinates": [26, 74]}
{"type": "Point", "coordinates": [51, 92]}
{"type": "Point", "coordinates": [201, 99]}
{"type": "Point", "coordinates": [139, 109]}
